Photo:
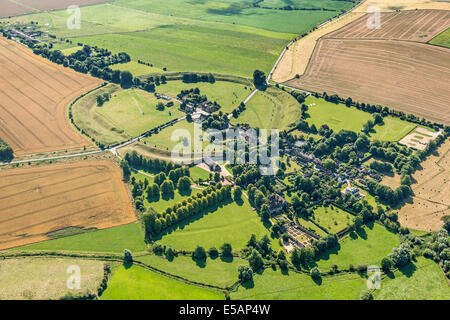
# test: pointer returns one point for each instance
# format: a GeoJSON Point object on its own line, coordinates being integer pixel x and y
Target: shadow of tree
{"type": "Point", "coordinates": [408, 270]}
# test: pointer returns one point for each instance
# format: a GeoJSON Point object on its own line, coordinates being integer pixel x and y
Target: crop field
{"type": "Point", "coordinates": [273, 285]}
{"type": "Point", "coordinates": [367, 246]}
{"type": "Point", "coordinates": [40, 200]}
{"type": "Point", "coordinates": [115, 239]}
{"type": "Point", "coordinates": [9, 8]}
{"type": "Point", "coordinates": [337, 116]}
{"type": "Point", "coordinates": [136, 283]}
{"type": "Point", "coordinates": [332, 218]}
{"type": "Point", "coordinates": [409, 73]}
{"type": "Point", "coordinates": [227, 94]}
{"type": "Point", "coordinates": [393, 129]}
{"type": "Point", "coordinates": [214, 271]}
{"type": "Point", "coordinates": [271, 109]}
{"type": "Point", "coordinates": [442, 39]}
{"type": "Point", "coordinates": [129, 113]}
{"type": "Point", "coordinates": [38, 91]}
{"type": "Point", "coordinates": [420, 25]}
{"type": "Point", "coordinates": [431, 199]}
{"type": "Point", "coordinates": [42, 278]}
{"type": "Point", "coordinates": [233, 223]}
{"type": "Point", "coordinates": [421, 280]}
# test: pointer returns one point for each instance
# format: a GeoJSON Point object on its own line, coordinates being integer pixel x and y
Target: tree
{"type": "Point", "coordinates": [265, 212]}
{"type": "Point", "coordinates": [245, 274]}
{"type": "Point", "coordinates": [386, 265]}
{"type": "Point", "coordinates": [126, 79]}
{"type": "Point", "coordinates": [184, 184]}
{"type": "Point", "coordinates": [329, 164]}
{"type": "Point", "coordinates": [170, 253]}
{"type": "Point", "coordinates": [127, 257]}
{"type": "Point", "coordinates": [256, 262]}
{"type": "Point", "coordinates": [213, 252]}
{"type": "Point", "coordinates": [237, 194]}
{"type": "Point", "coordinates": [401, 256]}
{"type": "Point", "coordinates": [126, 171]}
{"type": "Point", "coordinates": [167, 188]}
{"type": "Point", "coordinates": [226, 250]}
{"type": "Point", "coordinates": [315, 273]}
{"type": "Point", "coordinates": [259, 78]}
{"type": "Point", "coordinates": [199, 253]}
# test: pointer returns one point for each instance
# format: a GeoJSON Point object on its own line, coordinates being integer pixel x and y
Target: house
{"type": "Point", "coordinates": [276, 203]}
{"type": "Point", "coordinates": [353, 191]}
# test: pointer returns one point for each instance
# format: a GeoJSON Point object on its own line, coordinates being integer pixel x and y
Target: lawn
{"type": "Point", "coordinates": [214, 271]}
{"type": "Point", "coordinates": [337, 116]}
{"type": "Point", "coordinates": [227, 94]}
{"type": "Point", "coordinates": [136, 283]}
{"type": "Point", "coordinates": [233, 223]}
{"type": "Point", "coordinates": [393, 129]}
{"type": "Point", "coordinates": [273, 285]}
{"type": "Point", "coordinates": [307, 224]}
{"type": "Point", "coordinates": [442, 39]}
{"type": "Point", "coordinates": [368, 246]}
{"type": "Point", "coordinates": [199, 173]}
{"type": "Point", "coordinates": [421, 280]}
{"type": "Point", "coordinates": [271, 109]}
{"type": "Point", "coordinates": [46, 278]}
{"type": "Point", "coordinates": [332, 218]}
{"type": "Point", "coordinates": [114, 239]}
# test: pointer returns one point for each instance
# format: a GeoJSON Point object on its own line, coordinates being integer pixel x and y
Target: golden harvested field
{"type": "Point", "coordinates": [34, 94]}
{"type": "Point", "coordinates": [296, 59]}
{"type": "Point", "coordinates": [36, 201]}
{"type": "Point", "coordinates": [9, 8]}
{"type": "Point", "coordinates": [407, 76]}
{"type": "Point", "coordinates": [431, 199]}
{"type": "Point", "coordinates": [421, 25]}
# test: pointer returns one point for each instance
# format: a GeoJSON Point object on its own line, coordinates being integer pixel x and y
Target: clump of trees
{"type": "Point", "coordinates": [259, 79]}
{"type": "Point", "coordinates": [6, 152]}
{"type": "Point", "coordinates": [193, 78]}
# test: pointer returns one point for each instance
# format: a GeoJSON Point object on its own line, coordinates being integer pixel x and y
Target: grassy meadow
{"type": "Point", "coordinates": [136, 283]}
{"type": "Point", "coordinates": [331, 218]}
{"type": "Point", "coordinates": [393, 129]}
{"type": "Point", "coordinates": [442, 39]}
{"type": "Point", "coordinates": [113, 240]}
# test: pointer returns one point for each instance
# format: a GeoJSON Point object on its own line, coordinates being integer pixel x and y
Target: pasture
{"type": "Point", "coordinates": [431, 199]}
{"type": "Point", "coordinates": [137, 69]}
{"type": "Point", "coordinates": [38, 91]}
{"type": "Point", "coordinates": [45, 199]}
{"type": "Point", "coordinates": [442, 39]}
{"type": "Point", "coordinates": [271, 109]}
{"type": "Point", "coordinates": [420, 280]}
{"type": "Point", "coordinates": [331, 218]}
{"type": "Point", "coordinates": [111, 240]}
{"type": "Point", "coordinates": [136, 283]}
{"type": "Point", "coordinates": [393, 129]}
{"type": "Point", "coordinates": [214, 271]}
{"type": "Point", "coordinates": [274, 285]}
{"type": "Point", "coordinates": [337, 116]}
{"type": "Point", "coordinates": [46, 279]}
{"type": "Point", "coordinates": [361, 69]}
{"type": "Point", "coordinates": [367, 246]}
{"type": "Point", "coordinates": [233, 223]}
{"type": "Point", "coordinates": [129, 113]}
{"type": "Point", "coordinates": [227, 94]}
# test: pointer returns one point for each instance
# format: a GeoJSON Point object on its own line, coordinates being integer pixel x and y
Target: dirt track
{"type": "Point", "coordinates": [34, 94]}
{"type": "Point", "coordinates": [407, 76]}
{"type": "Point", "coordinates": [39, 200]}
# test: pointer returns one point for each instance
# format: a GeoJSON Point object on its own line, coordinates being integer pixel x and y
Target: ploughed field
{"type": "Point", "coordinates": [37, 201]}
{"type": "Point", "coordinates": [34, 94]}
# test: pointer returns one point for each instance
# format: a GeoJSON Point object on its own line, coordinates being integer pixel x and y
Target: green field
{"type": "Point", "coordinates": [136, 283]}
{"type": "Point", "coordinates": [421, 280]}
{"type": "Point", "coordinates": [368, 246]}
{"type": "Point", "coordinates": [394, 129]}
{"type": "Point", "coordinates": [271, 109]}
{"type": "Point", "coordinates": [331, 218]}
{"type": "Point", "coordinates": [273, 285]}
{"type": "Point", "coordinates": [307, 224]}
{"type": "Point", "coordinates": [137, 69]}
{"type": "Point", "coordinates": [233, 223]}
{"type": "Point", "coordinates": [227, 94]}
{"type": "Point", "coordinates": [114, 239]}
{"type": "Point", "coordinates": [214, 271]}
{"type": "Point", "coordinates": [307, 4]}
{"type": "Point", "coordinates": [337, 116]}
{"type": "Point", "coordinates": [128, 114]}
{"type": "Point", "coordinates": [199, 173]}
{"type": "Point", "coordinates": [442, 39]}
